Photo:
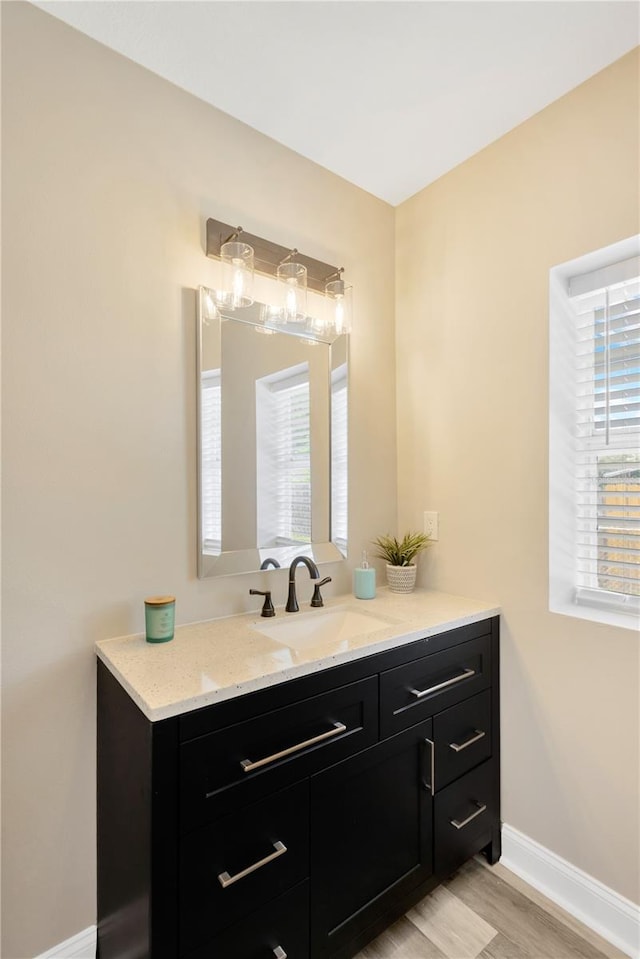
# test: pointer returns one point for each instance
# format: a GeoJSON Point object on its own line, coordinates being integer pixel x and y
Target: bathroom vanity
{"type": "Point", "coordinates": [291, 797]}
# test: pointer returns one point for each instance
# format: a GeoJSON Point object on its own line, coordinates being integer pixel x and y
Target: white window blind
{"type": "Point", "coordinates": [339, 456]}
{"type": "Point", "coordinates": [283, 457]}
{"type": "Point", "coordinates": [606, 307]}
{"type": "Point", "coordinates": [211, 461]}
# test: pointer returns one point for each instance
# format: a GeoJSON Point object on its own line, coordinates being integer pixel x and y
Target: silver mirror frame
{"type": "Point", "coordinates": [234, 562]}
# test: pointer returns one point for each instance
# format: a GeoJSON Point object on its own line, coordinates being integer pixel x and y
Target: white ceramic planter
{"type": "Point", "coordinates": [401, 579]}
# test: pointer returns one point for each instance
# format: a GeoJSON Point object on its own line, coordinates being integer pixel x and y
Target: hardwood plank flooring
{"type": "Point", "coordinates": [401, 941]}
{"type": "Point", "coordinates": [444, 919]}
{"type": "Point", "coordinates": [501, 947]}
{"type": "Point", "coordinates": [477, 914]}
{"type": "Point", "coordinates": [534, 930]}
{"type": "Point", "coordinates": [609, 950]}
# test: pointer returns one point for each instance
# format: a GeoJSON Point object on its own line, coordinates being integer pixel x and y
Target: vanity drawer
{"type": "Point", "coordinates": [464, 814]}
{"type": "Point", "coordinates": [282, 924]}
{"type": "Point", "coordinates": [244, 762]}
{"type": "Point", "coordinates": [410, 693]}
{"type": "Point", "coordinates": [462, 737]}
{"type": "Point", "coordinates": [241, 862]}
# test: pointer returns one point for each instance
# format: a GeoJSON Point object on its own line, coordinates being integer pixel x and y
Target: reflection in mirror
{"type": "Point", "coordinates": [272, 442]}
{"type": "Point", "coordinates": [339, 476]}
{"type": "Point", "coordinates": [283, 457]}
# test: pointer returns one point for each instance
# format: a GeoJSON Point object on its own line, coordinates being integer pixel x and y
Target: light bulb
{"type": "Point", "coordinates": [238, 282]}
{"type": "Point", "coordinates": [339, 294]}
{"type": "Point", "coordinates": [291, 302]}
{"type": "Point", "coordinates": [293, 277]}
{"type": "Point", "coordinates": [236, 274]}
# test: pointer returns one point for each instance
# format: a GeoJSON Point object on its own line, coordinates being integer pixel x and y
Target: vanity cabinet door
{"type": "Point", "coordinates": [371, 835]}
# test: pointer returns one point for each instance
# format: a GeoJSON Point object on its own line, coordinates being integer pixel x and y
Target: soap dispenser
{"type": "Point", "coordinates": [364, 580]}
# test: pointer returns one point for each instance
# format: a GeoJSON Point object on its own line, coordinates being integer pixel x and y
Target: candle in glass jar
{"type": "Point", "coordinates": [159, 618]}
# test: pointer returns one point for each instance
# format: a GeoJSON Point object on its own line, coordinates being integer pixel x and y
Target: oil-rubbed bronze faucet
{"type": "Point", "coordinates": [314, 573]}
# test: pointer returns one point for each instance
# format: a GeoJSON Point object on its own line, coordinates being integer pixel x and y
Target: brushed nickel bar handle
{"type": "Point", "coordinates": [419, 693]}
{"type": "Point", "coordinates": [279, 953]}
{"type": "Point", "coordinates": [479, 734]}
{"type": "Point", "coordinates": [248, 765]}
{"type": "Point", "coordinates": [481, 808]}
{"type": "Point", "coordinates": [432, 785]}
{"type": "Point", "coordinates": [226, 880]}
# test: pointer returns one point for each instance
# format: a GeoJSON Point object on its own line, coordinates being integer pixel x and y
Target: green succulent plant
{"type": "Point", "coordinates": [401, 552]}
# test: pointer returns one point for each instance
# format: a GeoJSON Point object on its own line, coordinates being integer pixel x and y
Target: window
{"type": "Point", "coordinates": [595, 437]}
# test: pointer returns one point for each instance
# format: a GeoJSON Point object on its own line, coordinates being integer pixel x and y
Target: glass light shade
{"type": "Point", "coordinates": [339, 296]}
{"type": "Point", "coordinates": [293, 280]}
{"type": "Point", "coordinates": [320, 319]}
{"type": "Point", "coordinates": [209, 305]}
{"type": "Point", "coordinates": [237, 274]}
{"type": "Point", "coordinates": [269, 317]}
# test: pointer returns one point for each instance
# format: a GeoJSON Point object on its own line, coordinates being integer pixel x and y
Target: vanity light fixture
{"type": "Point", "coordinates": [339, 295]}
{"type": "Point", "coordinates": [292, 277]}
{"type": "Point", "coordinates": [242, 253]}
{"type": "Point", "coordinates": [269, 316]}
{"type": "Point", "coordinates": [237, 260]}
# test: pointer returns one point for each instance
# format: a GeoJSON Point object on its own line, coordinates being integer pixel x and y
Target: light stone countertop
{"type": "Point", "coordinates": [219, 659]}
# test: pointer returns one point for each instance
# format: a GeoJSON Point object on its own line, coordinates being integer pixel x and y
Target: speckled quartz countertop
{"type": "Point", "coordinates": [218, 659]}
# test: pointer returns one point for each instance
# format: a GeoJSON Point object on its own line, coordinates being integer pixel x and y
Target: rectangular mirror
{"type": "Point", "coordinates": [272, 441]}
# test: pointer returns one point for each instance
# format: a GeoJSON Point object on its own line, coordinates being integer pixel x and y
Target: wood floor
{"type": "Point", "coordinates": [478, 914]}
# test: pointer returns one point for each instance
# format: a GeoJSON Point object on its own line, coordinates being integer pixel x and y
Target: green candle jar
{"type": "Point", "coordinates": [159, 618]}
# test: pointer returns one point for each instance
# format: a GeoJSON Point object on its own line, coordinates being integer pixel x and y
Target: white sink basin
{"type": "Point", "coordinates": [321, 627]}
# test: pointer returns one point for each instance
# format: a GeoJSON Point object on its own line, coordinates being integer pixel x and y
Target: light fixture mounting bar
{"type": "Point", "coordinates": [267, 254]}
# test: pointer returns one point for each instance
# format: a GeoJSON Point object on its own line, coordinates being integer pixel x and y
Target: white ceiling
{"type": "Point", "coordinates": [388, 94]}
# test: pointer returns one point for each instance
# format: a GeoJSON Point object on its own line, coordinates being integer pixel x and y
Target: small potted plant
{"type": "Point", "coordinates": [400, 555]}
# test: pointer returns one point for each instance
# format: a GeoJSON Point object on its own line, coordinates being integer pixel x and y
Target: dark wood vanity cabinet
{"type": "Point", "coordinates": [298, 821]}
{"type": "Point", "coordinates": [371, 835]}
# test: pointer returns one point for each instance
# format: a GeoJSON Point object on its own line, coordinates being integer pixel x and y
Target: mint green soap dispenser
{"type": "Point", "coordinates": [364, 580]}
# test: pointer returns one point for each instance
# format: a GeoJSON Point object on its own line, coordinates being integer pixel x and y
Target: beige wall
{"type": "Point", "coordinates": [109, 175]}
{"type": "Point", "coordinates": [473, 256]}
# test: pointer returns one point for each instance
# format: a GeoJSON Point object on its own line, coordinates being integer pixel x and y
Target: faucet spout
{"type": "Point", "coordinates": [314, 573]}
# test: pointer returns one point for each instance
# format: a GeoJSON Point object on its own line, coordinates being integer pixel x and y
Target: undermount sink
{"type": "Point", "coordinates": [317, 628]}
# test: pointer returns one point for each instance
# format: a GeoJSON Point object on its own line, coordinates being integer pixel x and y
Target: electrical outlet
{"type": "Point", "coordinates": [431, 525]}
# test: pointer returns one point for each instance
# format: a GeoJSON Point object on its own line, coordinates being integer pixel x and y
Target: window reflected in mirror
{"type": "Point", "coordinates": [283, 457]}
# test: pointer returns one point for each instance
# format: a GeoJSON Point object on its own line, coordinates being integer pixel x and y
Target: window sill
{"type": "Point", "coordinates": [624, 615]}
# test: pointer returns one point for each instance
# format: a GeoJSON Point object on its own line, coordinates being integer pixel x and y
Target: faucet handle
{"type": "Point", "coordinates": [267, 607]}
{"type": "Point", "coordinates": [317, 598]}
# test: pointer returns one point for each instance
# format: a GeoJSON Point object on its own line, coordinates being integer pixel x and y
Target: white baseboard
{"type": "Point", "coordinates": [80, 946]}
{"type": "Point", "coordinates": [612, 916]}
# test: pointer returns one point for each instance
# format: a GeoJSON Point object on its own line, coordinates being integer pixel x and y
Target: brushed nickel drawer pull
{"type": "Point", "coordinates": [419, 693]}
{"type": "Point", "coordinates": [279, 953]}
{"type": "Point", "coordinates": [248, 765]}
{"type": "Point", "coordinates": [481, 808]}
{"type": "Point", "coordinates": [432, 785]}
{"type": "Point", "coordinates": [226, 880]}
{"type": "Point", "coordinates": [479, 734]}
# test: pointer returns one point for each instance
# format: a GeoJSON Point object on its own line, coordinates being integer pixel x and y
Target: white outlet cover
{"type": "Point", "coordinates": [431, 525]}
